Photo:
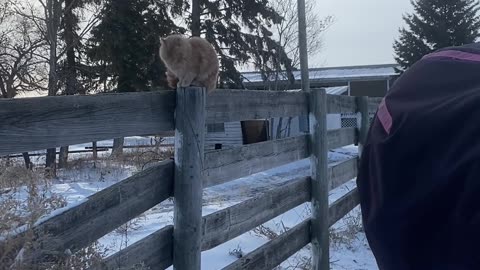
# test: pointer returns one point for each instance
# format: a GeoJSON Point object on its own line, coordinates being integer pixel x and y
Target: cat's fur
{"type": "Point", "coordinates": [172, 80]}
{"type": "Point", "coordinates": [189, 61]}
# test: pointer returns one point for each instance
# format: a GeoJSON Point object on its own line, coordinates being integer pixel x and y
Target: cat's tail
{"type": "Point", "coordinates": [172, 80]}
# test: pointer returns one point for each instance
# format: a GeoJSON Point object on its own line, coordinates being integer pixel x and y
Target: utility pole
{"type": "Point", "coordinates": [195, 27]}
{"type": "Point", "coordinates": [302, 44]}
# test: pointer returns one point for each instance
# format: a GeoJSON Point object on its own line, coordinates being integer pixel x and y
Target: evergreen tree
{"type": "Point", "coordinates": [436, 24]}
{"type": "Point", "coordinates": [68, 68]}
{"type": "Point", "coordinates": [127, 41]}
{"type": "Point", "coordinates": [239, 31]}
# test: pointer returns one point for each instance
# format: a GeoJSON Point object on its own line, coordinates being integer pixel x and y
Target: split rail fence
{"type": "Point", "coordinates": [40, 123]}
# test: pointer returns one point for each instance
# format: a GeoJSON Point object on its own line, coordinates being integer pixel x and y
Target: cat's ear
{"type": "Point", "coordinates": [162, 41]}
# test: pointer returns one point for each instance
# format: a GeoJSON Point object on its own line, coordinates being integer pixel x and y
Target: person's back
{"type": "Point", "coordinates": [419, 177]}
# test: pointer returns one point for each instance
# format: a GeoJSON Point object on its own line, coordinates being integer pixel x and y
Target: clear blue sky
{"type": "Point", "coordinates": [363, 32]}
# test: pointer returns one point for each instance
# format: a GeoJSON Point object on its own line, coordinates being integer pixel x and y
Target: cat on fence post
{"type": "Point", "coordinates": [189, 61]}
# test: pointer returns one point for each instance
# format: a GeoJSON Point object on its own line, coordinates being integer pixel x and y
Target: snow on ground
{"type": "Point", "coordinates": [77, 184]}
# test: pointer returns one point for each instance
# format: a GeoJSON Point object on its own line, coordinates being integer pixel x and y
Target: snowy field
{"type": "Point", "coordinates": [349, 248]}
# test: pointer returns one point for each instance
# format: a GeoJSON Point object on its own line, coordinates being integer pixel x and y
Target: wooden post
{"type": "Point", "coordinates": [362, 107]}
{"type": "Point", "coordinates": [319, 164]}
{"type": "Point", "coordinates": [189, 155]}
{"type": "Point", "coordinates": [95, 153]}
{"type": "Point", "coordinates": [302, 44]}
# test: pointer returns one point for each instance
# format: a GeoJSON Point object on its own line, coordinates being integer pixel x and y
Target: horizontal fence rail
{"type": "Point", "coordinates": [340, 104]}
{"type": "Point", "coordinates": [224, 225]}
{"type": "Point", "coordinates": [274, 252]}
{"type": "Point", "coordinates": [341, 137]}
{"type": "Point", "coordinates": [238, 105]}
{"type": "Point", "coordinates": [104, 211]}
{"type": "Point", "coordinates": [154, 251]}
{"type": "Point", "coordinates": [231, 222]}
{"type": "Point", "coordinates": [229, 164]}
{"type": "Point", "coordinates": [225, 165]}
{"type": "Point", "coordinates": [342, 172]}
{"type": "Point", "coordinates": [218, 227]}
{"type": "Point", "coordinates": [343, 206]}
{"type": "Point", "coordinates": [32, 124]}
{"type": "Point", "coordinates": [39, 123]}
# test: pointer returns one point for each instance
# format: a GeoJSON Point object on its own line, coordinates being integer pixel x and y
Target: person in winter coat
{"type": "Point", "coordinates": [419, 175]}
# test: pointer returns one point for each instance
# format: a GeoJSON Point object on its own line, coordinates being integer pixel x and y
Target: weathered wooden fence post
{"type": "Point", "coordinates": [319, 164]}
{"type": "Point", "coordinates": [362, 107]}
{"type": "Point", "coordinates": [189, 158]}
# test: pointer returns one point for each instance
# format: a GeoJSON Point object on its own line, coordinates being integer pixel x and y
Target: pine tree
{"type": "Point", "coordinates": [68, 70]}
{"type": "Point", "coordinates": [436, 24]}
{"type": "Point", "coordinates": [240, 32]}
{"type": "Point", "coordinates": [127, 41]}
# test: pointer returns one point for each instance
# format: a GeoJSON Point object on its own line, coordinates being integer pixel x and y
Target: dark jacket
{"type": "Point", "coordinates": [419, 176]}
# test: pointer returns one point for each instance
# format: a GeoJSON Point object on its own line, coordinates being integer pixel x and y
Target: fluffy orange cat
{"type": "Point", "coordinates": [189, 61]}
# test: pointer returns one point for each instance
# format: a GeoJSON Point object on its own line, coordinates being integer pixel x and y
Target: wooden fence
{"type": "Point", "coordinates": [40, 123]}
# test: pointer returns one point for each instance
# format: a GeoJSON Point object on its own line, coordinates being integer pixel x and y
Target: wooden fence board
{"type": "Point", "coordinates": [189, 177]}
{"type": "Point", "coordinates": [341, 137]}
{"type": "Point", "coordinates": [238, 105]}
{"type": "Point", "coordinates": [321, 141]}
{"type": "Point", "coordinates": [340, 104]}
{"type": "Point", "coordinates": [154, 252]}
{"type": "Point", "coordinates": [225, 165]}
{"type": "Point", "coordinates": [275, 251]}
{"type": "Point", "coordinates": [342, 206]}
{"type": "Point", "coordinates": [104, 211]}
{"type": "Point", "coordinates": [341, 173]}
{"type": "Point", "coordinates": [231, 222]}
{"type": "Point", "coordinates": [30, 124]}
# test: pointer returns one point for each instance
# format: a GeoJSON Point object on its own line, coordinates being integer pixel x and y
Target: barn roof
{"type": "Point", "coordinates": [348, 73]}
{"type": "Point", "coordinates": [338, 90]}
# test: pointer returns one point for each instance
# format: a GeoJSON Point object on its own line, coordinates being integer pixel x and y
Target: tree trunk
{"type": "Point", "coordinates": [94, 151]}
{"type": "Point", "coordinates": [50, 163]}
{"type": "Point", "coordinates": [63, 157]}
{"type": "Point", "coordinates": [28, 162]}
{"type": "Point", "coordinates": [95, 154]}
{"type": "Point", "coordinates": [117, 149]}
{"type": "Point", "coordinates": [52, 11]}
{"type": "Point", "coordinates": [2, 88]}
{"type": "Point", "coordinates": [70, 68]}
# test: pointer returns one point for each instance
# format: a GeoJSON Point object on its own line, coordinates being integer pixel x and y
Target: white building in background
{"type": "Point", "coordinates": [226, 135]}
{"type": "Point", "coordinates": [369, 80]}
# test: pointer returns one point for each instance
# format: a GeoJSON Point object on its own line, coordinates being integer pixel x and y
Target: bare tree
{"type": "Point", "coordinates": [49, 18]}
{"type": "Point", "coordinates": [287, 35]}
{"type": "Point", "coordinates": [46, 16]}
{"type": "Point", "coordinates": [20, 67]}
{"type": "Point", "coordinates": [287, 30]}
